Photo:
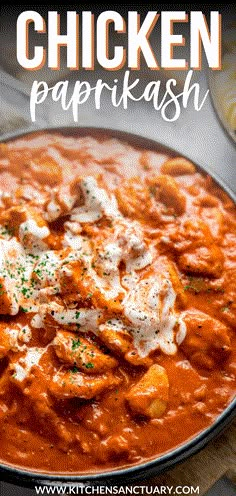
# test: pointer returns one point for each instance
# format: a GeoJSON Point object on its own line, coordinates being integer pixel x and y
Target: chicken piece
{"type": "Point", "coordinates": [213, 217]}
{"type": "Point", "coordinates": [14, 216]}
{"type": "Point", "coordinates": [34, 233]}
{"type": "Point", "coordinates": [8, 339]}
{"type": "Point", "coordinates": [188, 234]}
{"type": "Point", "coordinates": [7, 304]}
{"type": "Point", "coordinates": [149, 396]}
{"type": "Point", "coordinates": [83, 281]}
{"type": "Point", "coordinates": [67, 384]}
{"type": "Point", "coordinates": [54, 315]}
{"type": "Point", "coordinates": [12, 264]}
{"type": "Point", "coordinates": [13, 337]}
{"type": "Point", "coordinates": [121, 342]}
{"type": "Point", "coordinates": [167, 191]}
{"type": "Point", "coordinates": [117, 340]}
{"type": "Point", "coordinates": [207, 343]}
{"type": "Point", "coordinates": [177, 166]}
{"type": "Point", "coordinates": [27, 224]}
{"type": "Point", "coordinates": [114, 446]}
{"type": "Point", "coordinates": [198, 253]}
{"type": "Point", "coordinates": [23, 221]}
{"type": "Point", "coordinates": [202, 260]}
{"type": "Point", "coordinates": [98, 202]}
{"type": "Point", "coordinates": [42, 406]}
{"type": "Point", "coordinates": [135, 359]}
{"type": "Point", "coordinates": [78, 351]}
{"type": "Point", "coordinates": [151, 160]}
{"type": "Point", "coordinates": [62, 200]}
{"type": "Point", "coordinates": [46, 269]}
{"type": "Point", "coordinates": [46, 170]}
{"type": "Point", "coordinates": [22, 365]}
{"type": "Point", "coordinates": [45, 413]}
{"type": "Point", "coordinates": [32, 194]}
{"type": "Point", "coordinates": [135, 201]}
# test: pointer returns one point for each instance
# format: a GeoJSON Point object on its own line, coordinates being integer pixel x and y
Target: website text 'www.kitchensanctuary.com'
{"type": "Point", "coordinates": [117, 490]}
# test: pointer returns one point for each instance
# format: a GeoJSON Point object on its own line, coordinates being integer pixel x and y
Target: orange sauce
{"type": "Point", "coordinates": [68, 376]}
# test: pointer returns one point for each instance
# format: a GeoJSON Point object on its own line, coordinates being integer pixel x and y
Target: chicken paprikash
{"type": "Point", "coordinates": [117, 302]}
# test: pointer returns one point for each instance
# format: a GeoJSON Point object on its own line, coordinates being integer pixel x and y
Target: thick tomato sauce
{"type": "Point", "coordinates": [117, 302]}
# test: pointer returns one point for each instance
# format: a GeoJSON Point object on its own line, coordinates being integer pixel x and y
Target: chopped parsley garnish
{"type": "Point", "coordinates": [74, 370]}
{"type": "Point", "coordinates": [89, 365]}
{"type": "Point", "coordinates": [25, 310]}
{"type": "Point", "coordinates": [75, 344]}
{"type": "Point", "coordinates": [24, 291]}
{"type": "Point", "coordinates": [7, 231]}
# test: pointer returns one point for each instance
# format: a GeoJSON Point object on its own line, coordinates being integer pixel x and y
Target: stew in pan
{"type": "Point", "coordinates": [117, 302]}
